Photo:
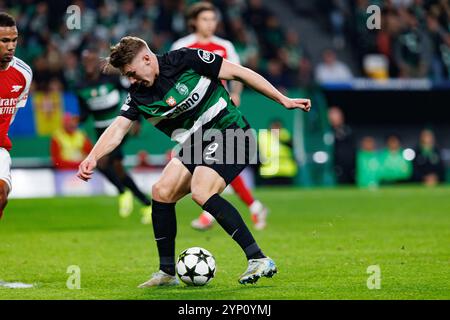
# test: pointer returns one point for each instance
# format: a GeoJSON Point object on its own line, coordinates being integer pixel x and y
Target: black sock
{"type": "Point", "coordinates": [129, 183]}
{"type": "Point", "coordinates": [112, 177]}
{"type": "Point", "coordinates": [231, 221]}
{"type": "Point", "coordinates": [165, 229]}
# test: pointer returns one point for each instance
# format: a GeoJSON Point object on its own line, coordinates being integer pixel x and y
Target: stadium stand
{"type": "Point", "coordinates": [283, 40]}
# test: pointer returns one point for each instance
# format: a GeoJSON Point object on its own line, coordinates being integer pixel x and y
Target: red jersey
{"type": "Point", "coordinates": [15, 83]}
{"type": "Point", "coordinates": [217, 45]}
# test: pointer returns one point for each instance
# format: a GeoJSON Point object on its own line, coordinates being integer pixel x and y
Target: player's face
{"type": "Point", "coordinates": [206, 23]}
{"type": "Point", "coordinates": [142, 69]}
{"type": "Point", "coordinates": [8, 43]}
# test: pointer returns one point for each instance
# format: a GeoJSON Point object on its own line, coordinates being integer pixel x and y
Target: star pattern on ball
{"type": "Point", "coordinates": [201, 256]}
{"type": "Point", "coordinates": [210, 273]}
{"type": "Point", "coordinates": [191, 273]}
{"type": "Point", "coordinates": [182, 256]}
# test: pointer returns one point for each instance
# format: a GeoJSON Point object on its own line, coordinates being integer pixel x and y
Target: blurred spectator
{"type": "Point", "coordinates": [331, 69]}
{"type": "Point", "coordinates": [272, 38]}
{"type": "Point", "coordinates": [412, 49]}
{"type": "Point", "coordinates": [69, 145]}
{"type": "Point", "coordinates": [278, 166]}
{"type": "Point", "coordinates": [367, 164]}
{"type": "Point", "coordinates": [338, 14]}
{"type": "Point", "coordinates": [296, 60]}
{"type": "Point", "coordinates": [277, 75]}
{"type": "Point", "coordinates": [428, 165]}
{"type": "Point", "coordinates": [127, 20]}
{"type": "Point", "coordinates": [88, 16]}
{"type": "Point", "coordinates": [394, 166]}
{"type": "Point", "coordinates": [444, 55]}
{"type": "Point", "coordinates": [344, 147]}
{"type": "Point", "coordinates": [364, 39]}
{"type": "Point", "coordinates": [72, 71]}
{"type": "Point", "coordinates": [385, 38]}
{"type": "Point", "coordinates": [436, 34]}
{"type": "Point", "coordinates": [245, 44]}
{"type": "Point", "coordinates": [256, 16]}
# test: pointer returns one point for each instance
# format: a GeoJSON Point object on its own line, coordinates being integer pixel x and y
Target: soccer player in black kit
{"type": "Point", "coordinates": [180, 93]}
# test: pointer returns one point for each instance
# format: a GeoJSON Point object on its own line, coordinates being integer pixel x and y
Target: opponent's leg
{"type": "Point", "coordinates": [173, 184]}
{"type": "Point", "coordinates": [4, 190]}
{"type": "Point", "coordinates": [242, 190]}
{"type": "Point", "coordinates": [257, 210]}
{"type": "Point", "coordinates": [5, 178]}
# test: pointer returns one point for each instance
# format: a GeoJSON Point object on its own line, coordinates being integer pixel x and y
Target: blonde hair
{"type": "Point", "coordinates": [124, 52]}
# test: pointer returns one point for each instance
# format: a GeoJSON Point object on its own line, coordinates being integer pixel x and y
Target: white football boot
{"type": "Point", "coordinates": [257, 268]}
{"type": "Point", "coordinates": [160, 278]}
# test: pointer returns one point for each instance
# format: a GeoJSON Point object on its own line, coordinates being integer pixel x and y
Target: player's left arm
{"type": "Point", "coordinates": [232, 71]}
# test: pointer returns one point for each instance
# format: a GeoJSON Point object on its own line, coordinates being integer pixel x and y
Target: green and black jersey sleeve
{"type": "Point", "coordinates": [130, 109]}
{"type": "Point", "coordinates": [201, 61]}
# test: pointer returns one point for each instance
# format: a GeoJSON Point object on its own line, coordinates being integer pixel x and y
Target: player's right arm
{"type": "Point", "coordinates": [107, 142]}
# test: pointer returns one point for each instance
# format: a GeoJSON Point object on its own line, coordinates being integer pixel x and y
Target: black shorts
{"type": "Point", "coordinates": [117, 153]}
{"type": "Point", "coordinates": [227, 154]}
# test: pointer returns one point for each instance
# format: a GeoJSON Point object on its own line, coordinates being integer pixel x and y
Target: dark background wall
{"type": "Point", "coordinates": [379, 113]}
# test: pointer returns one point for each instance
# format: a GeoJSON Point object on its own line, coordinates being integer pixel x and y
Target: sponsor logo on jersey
{"type": "Point", "coordinates": [191, 101]}
{"type": "Point", "coordinates": [182, 89]}
{"type": "Point", "coordinates": [128, 100]}
{"type": "Point", "coordinates": [206, 56]}
{"type": "Point", "coordinates": [11, 102]}
{"type": "Point", "coordinates": [125, 107]}
{"type": "Point", "coordinates": [187, 104]}
{"type": "Point", "coordinates": [171, 101]}
{"type": "Point", "coordinates": [16, 88]}
{"type": "Point", "coordinates": [7, 110]}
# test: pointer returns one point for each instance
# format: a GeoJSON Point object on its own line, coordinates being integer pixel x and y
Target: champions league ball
{"type": "Point", "coordinates": [196, 266]}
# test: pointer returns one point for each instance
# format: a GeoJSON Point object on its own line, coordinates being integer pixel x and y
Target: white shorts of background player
{"type": "Point", "coordinates": [5, 167]}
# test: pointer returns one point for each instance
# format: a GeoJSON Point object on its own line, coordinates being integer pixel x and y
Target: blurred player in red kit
{"type": "Point", "coordinates": [202, 19]}
{"type": "Point", "coordinates": [15, 80]}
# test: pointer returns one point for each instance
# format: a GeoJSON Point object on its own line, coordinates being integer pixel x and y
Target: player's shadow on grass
{"type": "Point", "coordinates": [179, 291]}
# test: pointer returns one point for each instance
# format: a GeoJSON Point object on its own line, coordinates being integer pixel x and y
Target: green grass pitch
{"type": "Point", "coordinates": [323, 241]}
